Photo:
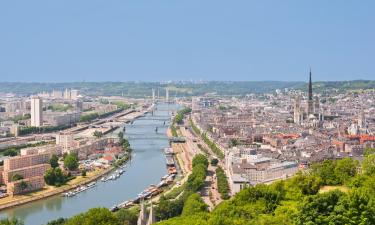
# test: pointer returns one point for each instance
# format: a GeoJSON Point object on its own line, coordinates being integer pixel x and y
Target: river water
{"type": "Point", "coordinates": [146, 167]}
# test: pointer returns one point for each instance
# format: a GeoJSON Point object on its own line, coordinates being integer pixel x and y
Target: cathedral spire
{"type": "Point", "coordinates": [310, 87]}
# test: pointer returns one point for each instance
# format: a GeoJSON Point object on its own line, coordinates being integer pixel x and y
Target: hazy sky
{"type": "Point", "coordinates": [108, 40]}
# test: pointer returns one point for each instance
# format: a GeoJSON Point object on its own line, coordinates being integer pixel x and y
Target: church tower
{"type": "Point", "coordinates": [297, 110]}
{"type": "Point", "coordinates": [310, 101]}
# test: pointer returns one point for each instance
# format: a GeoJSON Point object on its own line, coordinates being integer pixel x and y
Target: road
{"type": "Point", "coordinates": [209, 193]}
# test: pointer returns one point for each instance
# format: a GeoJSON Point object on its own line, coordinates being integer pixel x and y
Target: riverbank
{"type": "Point", "coordinates": [49, 191]}
{"type": "Point", "coordinates": [178, 182]}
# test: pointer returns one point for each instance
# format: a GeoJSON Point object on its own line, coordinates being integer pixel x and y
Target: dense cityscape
{"type": "Point", "coordinates": [187, 112]}
{"type": "Point", "coordinates": [65, 143]}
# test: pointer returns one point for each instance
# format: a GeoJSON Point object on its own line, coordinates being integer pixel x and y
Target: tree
{"type": "Point", "coordinates": [222, 183]}
{"type": "Point", "coordinates": [120, 135]}
{"type": "Point", "coordinates": [83, 172]}
{"type": "Point", "coordinates": [326, 171]}
{"type": "Point", "coordinates": [319, 209]}
{"type": "Point", "coordinates": [368, 164]}
{"type": "Point", "coordinates": [200, 159]}
{"type": "Point", "coordinates": [71, 161]}
{"type": "Point", "coordinates": [60, 178]}
{"type": "Point", "coordinates": [59, 221]}
{"type": "Point", "coordinates": [345, 169]}
{"type": "Point", "coordinates": [54, 161]}
{"type": "Point", "coordinates": [194, 204]}
{"type": "Point", "coordinates": [128, 216]}
{"type": "Point", "coordinates": [54, 176]}
{"type": "Point", "coordinates": [10, 152]}
{"type": "Point", "coordinates": [95, 216]}
{"type": "Point", "coordinates": [168, 208]}
{"type": "Point", "coordinates": [214, 161]}
{"type": "Point", "coordinates": [98, 134]}
{"type": "Point", "coordinates": [23, 185]}
{"type": "Point", "coordinates": [49, 177]}
{"type": "Point", "coordinates": [12, 221]}
{"type": "Point", "coordinates": [234, 142]}
{"type": "Point", "coordinates": [16, 177]}
{"type": "Point", "coordinates": [368, 151]}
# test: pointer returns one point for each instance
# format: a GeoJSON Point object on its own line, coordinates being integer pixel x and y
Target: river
{"type": "Point", "coordinates": [146, 167]}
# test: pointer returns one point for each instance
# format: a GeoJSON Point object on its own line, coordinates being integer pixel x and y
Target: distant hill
{"type": "Point", "coordinates": [341, 85]}
{"type": "Point", "coordinates": [141, 89]}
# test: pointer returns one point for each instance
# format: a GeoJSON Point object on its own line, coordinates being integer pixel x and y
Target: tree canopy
{"type": "Point", "coordinates": [71, 161]}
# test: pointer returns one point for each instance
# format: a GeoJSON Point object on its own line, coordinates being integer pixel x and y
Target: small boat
{"type": "Point", "coordinates": [114, 208]}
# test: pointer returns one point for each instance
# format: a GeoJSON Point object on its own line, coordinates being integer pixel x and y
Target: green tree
{"type": "Point", "coordinates": [214, 161]}
{"type": "Point", "coordinates": [368, 151]}
{"type": "Point", "coordinates": [13, 221]}
{"type": "Point", "coordinates": [60, 178]}
{"type": "Point", "coordinates": [16, 177]}
{"type": "Point", "coordinates": [168, 208]}
{"type": "Point", "coordinates": [83, 172]}
{"type": "Point", "coordinates": [222, 183]}
{"type": "Point", "coordinates": [319, 209]}
{"type": "Point", "coordinates": [98, 134]}
{"type": "Point", "coordinates": [59, 221]}
{"type": "Point", "coordinates": [55, 176]}
{"type": "Point", "coordinates": [10, 152]}
{"type": "Point", "coordinates": [194, 204]}
{"type": "Point", "coordinates": [128, 216]}
{"type": "Point", "coordinates": [95, 216]}
{"type": "Point", "coordinates": [23, 185]}
{"type": "Point", "coordinates": [234, 142]}
{"type": "Point", "coordinates": [49, 177]}
{"type": "Point", "coordinates": [326, 171]}
{"type": "Point", "coordinates": [200, 159]}
{"type": "Point", "coordinates": [345, 169]}
{"type": "Point", "coordinates": [54, 161]}
{"type": "Point", "coordinates": [368, 164]}
{"type": "Point", "coordinates": [71, 161]}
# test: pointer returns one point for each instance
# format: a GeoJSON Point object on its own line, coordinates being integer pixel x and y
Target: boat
{"type": "Point", "coordinates": [114, 208]}
{"type": "Point", "coordinates": [90, 185]}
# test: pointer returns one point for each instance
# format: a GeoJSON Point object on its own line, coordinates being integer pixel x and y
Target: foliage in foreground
{"type": "Point", "coordinates": [299, 200]}
{"type": "Point", "coordinates": [13, 221]}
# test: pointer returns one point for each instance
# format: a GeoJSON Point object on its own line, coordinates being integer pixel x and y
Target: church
{"type": "Point", "coordinates": [308, 114]}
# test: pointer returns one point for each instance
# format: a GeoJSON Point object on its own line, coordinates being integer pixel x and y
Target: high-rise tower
{"type": "Point", "coordinates": [310, 101]}
{"type": "Point", "coordinates": [36, 112]}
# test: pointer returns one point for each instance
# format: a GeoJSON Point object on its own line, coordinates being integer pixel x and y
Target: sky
{"type": "Point", "coordinates": [170, 40]}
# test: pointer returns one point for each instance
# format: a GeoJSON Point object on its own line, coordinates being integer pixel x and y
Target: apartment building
{"type": "Point", "coordinates": [31, 169]}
